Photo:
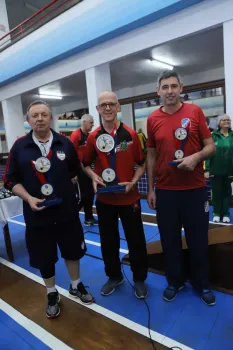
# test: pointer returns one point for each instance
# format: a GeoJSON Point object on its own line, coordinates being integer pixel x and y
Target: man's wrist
{"type": "Point", "coordinates": [150, 189]}
{"type": "Point", "coordinates": [134, 182]}
{"type": "Point", "coordinates": [199, 157]}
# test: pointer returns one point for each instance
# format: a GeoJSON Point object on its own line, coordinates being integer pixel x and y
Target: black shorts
{"type": "Point", "coordinates": [42, 243]}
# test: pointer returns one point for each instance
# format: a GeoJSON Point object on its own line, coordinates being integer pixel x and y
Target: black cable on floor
{"type": "Point", "coordinates": [152, 237]}
{"type": "Point", "coordinates": [148, 309]}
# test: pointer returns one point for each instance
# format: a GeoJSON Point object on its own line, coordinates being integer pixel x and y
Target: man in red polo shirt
{"type": "Point", "coordinates": [178, 141]}
{"type": "Point", "coordinates": [116, 150]}
{"type": "Point", "coordinates": [79, 139]}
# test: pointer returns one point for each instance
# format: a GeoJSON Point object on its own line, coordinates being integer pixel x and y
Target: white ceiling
{"type": "Point", "coordinates": [189, 55]}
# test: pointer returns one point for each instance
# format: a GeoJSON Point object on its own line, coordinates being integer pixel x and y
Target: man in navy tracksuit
{"type": "Point", "coordinates": [41, 169]}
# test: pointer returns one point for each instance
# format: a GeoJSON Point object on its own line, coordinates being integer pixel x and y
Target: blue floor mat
{"type": "Point", "coordinates": [186, 319]}
{"type": "Point", "coordinates": [14, 336]}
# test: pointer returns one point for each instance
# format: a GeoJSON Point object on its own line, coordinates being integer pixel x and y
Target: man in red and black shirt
{"type": "Point", "coordinates": [79, 139]}
{"type": "Point", "coordinates": [126, 205]}
{"type": "Point", "coordinates": [178, 141]}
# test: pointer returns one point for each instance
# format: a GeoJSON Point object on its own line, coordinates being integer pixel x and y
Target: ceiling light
{"type": "Point", "coordinates": [161, 64]}
{"type": "Point", "coordinates": [52, 97]}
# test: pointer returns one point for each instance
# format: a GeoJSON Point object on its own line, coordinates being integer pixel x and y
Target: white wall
{"type": "Point", "coordinates": [4, 24]}
{"type": "Point", "coordinates": [205, 15]}
{"type": "Point", "coordinates": [70, 107]}
{"type": "Point", "coordinates": [228, 53]}
{"type": "Point", "coordinates": [201, 77]}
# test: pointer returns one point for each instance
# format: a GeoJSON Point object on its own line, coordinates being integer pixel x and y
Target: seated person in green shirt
{"type": "Point", "coordinates": [220, 169]}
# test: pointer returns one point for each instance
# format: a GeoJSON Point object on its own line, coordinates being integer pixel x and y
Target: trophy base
{"type": "Point", "coordinates": [111, 189]}
{"type": "Point", "coordinates": [173, 163]}
{"type": "Point", "coordinates": [50, 202]}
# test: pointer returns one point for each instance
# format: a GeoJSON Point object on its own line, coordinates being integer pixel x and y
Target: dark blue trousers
{"type": "Point", "coordinates": [190, 209]}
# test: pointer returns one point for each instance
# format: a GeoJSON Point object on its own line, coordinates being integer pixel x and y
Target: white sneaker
{"type": "Point", "coordinates": [226, 220]}
{"type": "Point", "coordinates": [216, 219]}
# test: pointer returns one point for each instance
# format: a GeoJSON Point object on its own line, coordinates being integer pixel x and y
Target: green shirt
{"type": "Point", "coordinates": [222, 162]}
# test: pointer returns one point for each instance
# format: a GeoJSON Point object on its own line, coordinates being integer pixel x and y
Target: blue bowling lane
{"type": "Point", "coordinates": [14, 336]}
{"type": "Point", "coordinates": [186, 320]}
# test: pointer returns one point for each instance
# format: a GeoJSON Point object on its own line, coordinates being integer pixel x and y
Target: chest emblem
{"type": "Point", "coordinates": [185, 123]}
{"type": "Point", "coordinates": [123, 146]}
{"type": "Point", "coordinates": [61, 155]}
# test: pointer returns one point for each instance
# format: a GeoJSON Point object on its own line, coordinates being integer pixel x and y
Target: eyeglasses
{"type": "Point", "coordinates": [105, 105]}
{"type": "Point", "coordinates": [225, 120]}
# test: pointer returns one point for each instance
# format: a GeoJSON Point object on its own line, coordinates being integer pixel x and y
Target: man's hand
{"type": "Point", "coordinates": [97, 180]}
{"type": "Point", "coordinates": [128, 186]}
{"type": "Point", "coordinates": [207, 175]}
{"type": "Point", "coordinates": [188, 163]}
{"type": "Point", "coordinates": [151, 199]}
{"type": "Point", "coordinates": [32, 201]}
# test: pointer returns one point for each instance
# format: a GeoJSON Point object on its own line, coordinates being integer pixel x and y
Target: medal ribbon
{"type": "Point", "coordinates": [183, 142]}
{"type": "Point", "coordinates": [113, 151]}
{"type": "Point", "coordinates": [112, 154]}
{"type": "Point", "coordinates": [41, 176]}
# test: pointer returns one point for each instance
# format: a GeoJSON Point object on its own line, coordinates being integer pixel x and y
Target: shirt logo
{"type": "Point", "coordinates": [61, 155]}
{"type": "Point", "coordinates": [185, 123]}
{"type": "Point", "coordinates": [123, 146]}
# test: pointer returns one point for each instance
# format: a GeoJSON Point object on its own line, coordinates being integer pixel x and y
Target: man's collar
{"type": "Point", "coordinates": [56, 138]}
{"type": "Point", "coordinates": [103, 129]}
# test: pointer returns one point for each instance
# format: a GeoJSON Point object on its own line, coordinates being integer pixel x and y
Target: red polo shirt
{"type": "Point", "coordinates": [79, 139]}
{"type": "Point", "coordinates": [129, 153]}
{"type": "Point", "coordinates": [161, 128]}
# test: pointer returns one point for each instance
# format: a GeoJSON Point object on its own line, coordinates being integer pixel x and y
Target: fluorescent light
{"type": "Point", "coordinates": [161, 64]}
{"type": "Point", "coordinates": [52, 97]}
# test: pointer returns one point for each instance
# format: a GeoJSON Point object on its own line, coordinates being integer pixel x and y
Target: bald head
{"type": "Point", "coordinates": [108, 106]}
{"type": "Point", "coordinates": [107, 95]}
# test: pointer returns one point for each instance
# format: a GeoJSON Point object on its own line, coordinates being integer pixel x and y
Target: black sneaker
{"type": "Point", "coordinates": [81, 293]}
{"type": "Point", "coordinates": [91, 222]}
{"type": "Point", "coordinates": [109, 287]}
{"type": "Point", "coordinates": [53, 309]}
{"type": "Point", "coordinates": [208, 297]}
{"type": "Point", "coordinates": [141, 291]}
{"type": "Point", "coordinates": [170, 292]}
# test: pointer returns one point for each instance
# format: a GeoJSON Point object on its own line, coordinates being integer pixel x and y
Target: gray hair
{"type": "Point", "coordinates": [220, 117]}
{"type": "Point", "coordinates": [86, 118]}
{"type": "Point", "coordinates": [38, 102]}
{"type": "Point", "coordinates": [166, 75]}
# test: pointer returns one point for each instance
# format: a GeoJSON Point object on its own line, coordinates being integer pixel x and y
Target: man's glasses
{"type": "Point", "coordinates": [105, 105]}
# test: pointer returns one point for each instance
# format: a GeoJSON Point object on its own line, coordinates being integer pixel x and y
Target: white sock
{"type": "Point", "coordinates": [51, 290]}
{"type": "Point", "coordinates": [75, 283]}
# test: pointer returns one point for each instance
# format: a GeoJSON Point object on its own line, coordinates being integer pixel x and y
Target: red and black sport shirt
{"type": "Point", "coordinates": [79, 140]}
{"type": "Point", "coordinates": [129, 153]}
